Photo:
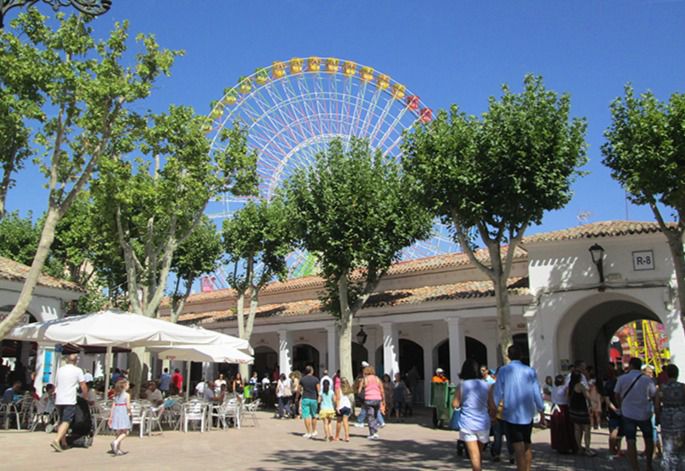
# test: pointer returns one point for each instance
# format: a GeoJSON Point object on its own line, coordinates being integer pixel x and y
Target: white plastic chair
{"type": "Point", "coordinates": [138, 417]}
{"type": "Point", "coordinates": [251, 410]}
{"type": "Point", "coordinates": [152, 416]}
{"type": "Point", "coordinates": [194, 411]}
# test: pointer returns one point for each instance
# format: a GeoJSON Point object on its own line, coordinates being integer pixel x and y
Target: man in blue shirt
{"type": "Point", "coordinates": [518, 389]}
{"type": "Point", "coordinates": [165, 382]}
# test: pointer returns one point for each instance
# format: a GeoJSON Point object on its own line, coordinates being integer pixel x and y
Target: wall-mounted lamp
{"type": "Point", "coordinates": [597, 253]}
{"type": "Point", "coordinates": [361, 336]}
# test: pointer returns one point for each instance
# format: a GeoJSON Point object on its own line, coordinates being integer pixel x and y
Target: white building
{"type": "Point", "coordinates": [49, 302]}
{"type": "Point", "coordinates": [437, 311]}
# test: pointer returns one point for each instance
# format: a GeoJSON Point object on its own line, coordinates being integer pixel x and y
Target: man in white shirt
{"type": "Point", "coordinates": [634, 392]}
{"type": "Point", "coordinates": [68, 378]}
{"type": "Point", "coordinates": [200, 388]}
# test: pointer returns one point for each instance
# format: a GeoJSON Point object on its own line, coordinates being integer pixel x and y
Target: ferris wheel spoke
{"type": "Point", "coordinates": [294, 109]}
{"type": "Point", "coordinates": [371, 112]}
{"type": "Point", "coordinates": [381, 119]}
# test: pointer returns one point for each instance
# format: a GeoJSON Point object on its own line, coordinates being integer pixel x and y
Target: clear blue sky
{"type": "Point", "coordinates": [445, 51]}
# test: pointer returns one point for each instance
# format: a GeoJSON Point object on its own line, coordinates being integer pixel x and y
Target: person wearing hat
{"type": "Point", "coordinates": [440, 376]}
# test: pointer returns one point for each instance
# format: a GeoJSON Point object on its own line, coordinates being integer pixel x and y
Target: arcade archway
{"type": "Point", "coordinates": [595, 329]}
{"type": "Point", "coordinates": [475, 349]}
{"type": "Point", "coordinates": [304, 355]}
{"type": "Point", "coordinates": [265, 360]}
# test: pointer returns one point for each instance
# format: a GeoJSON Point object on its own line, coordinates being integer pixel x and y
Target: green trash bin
{"type": "Point", "coordinates": [247, 392]}
{"type": "Point", "coordinates": [441, 402]}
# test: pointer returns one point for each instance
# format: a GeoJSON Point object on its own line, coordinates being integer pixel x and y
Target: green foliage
{"type": "Point", "coordinates": [18, 238]}
{"type": "Point", "coordinates": [645, 148]}
{"type": "Point", "coordinates": [504, 170]}
{"type": "Point", "coordinates": [155, 198]}
{"type": "Point", "coordinates": [356, 211]}
{"type": "Point", "coordinates": [257, 240]}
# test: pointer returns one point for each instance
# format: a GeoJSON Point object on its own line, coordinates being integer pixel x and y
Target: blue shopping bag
{"type": "Point", "coordinates": [454, 421]}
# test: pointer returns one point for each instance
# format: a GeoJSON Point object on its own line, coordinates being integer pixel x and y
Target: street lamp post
{"type": "Point", "coordinates": [597, 254]}
{"type": "Point", "coordinates": [88, 7]}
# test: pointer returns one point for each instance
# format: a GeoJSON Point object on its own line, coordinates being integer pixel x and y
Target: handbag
{"type": "Point", "coordinates": [454, 420]}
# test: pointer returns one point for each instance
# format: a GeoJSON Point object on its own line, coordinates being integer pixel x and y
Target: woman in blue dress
{"type": "Point", "coordinates": [120, 415]}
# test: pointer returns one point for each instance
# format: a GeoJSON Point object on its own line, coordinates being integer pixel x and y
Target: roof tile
{"type": "Point", "coordinates": [15, 271]}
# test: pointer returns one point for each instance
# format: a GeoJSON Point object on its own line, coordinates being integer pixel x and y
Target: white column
{"type": "Point", "coordinates": [284, 352]}
{"type": "Point", "coordinates": [332, 349]}
{"type": "Point", "coordinates": [457, 347]}
{"type": "Point", "coordinates": [391, 348]}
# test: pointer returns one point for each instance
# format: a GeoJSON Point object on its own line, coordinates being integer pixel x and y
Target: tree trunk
{"type": "Point", "coordinates": [247, 333]}
{"type": "Point", "coordinates": [47, 236]}
{"type": "Point", "coordinates": [503, 316]}
{"type": "Point", "coordinates": [345, 331]}
{"type": "Point", "coordinates": [5, 185]}
{"type": "Point", "coordinates": [675, 243]}
{"type": "Point", "coordinates": [138, 369]}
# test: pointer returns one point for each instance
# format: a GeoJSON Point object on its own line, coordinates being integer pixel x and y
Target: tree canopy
{"type": "Point", "coordinates": [85, 94]}
{"type": "Point", "coordinates": [645, 150]}
{"type": "Point", "coordinates": [356, 211]}
{"type": "Point", "coordinates": [493, 176]}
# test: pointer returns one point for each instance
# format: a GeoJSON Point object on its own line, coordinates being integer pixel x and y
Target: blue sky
{"type": "Point", "coordinates": [445, 51]}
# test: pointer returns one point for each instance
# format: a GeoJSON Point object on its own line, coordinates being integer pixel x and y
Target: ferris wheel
{"type": "Point", "coordinates": [293, 109]}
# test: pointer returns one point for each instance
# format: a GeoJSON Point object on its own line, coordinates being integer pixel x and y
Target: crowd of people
{"type": "Point", "coordinates": [626, 401]}
{"type": "Point", "coordinates": [500, 404]}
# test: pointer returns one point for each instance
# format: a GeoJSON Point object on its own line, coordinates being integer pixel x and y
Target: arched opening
{"type": "Point", "coordinates": [359, 354]}
{"type": "Point", "coordinates": [645, 339]}
{"type": "Point", "coordinates": [265, 361]}
{"type": "Point", "coordinates": [593, 332]}
{"type": "Point", "coordinates": [441, 356]}
{"type": "Point", "coordinates": [411, 356]}
{"type": "Point", "coordinates": [475, 349]}
{"type": "Point", "coordinates": [305, 355]}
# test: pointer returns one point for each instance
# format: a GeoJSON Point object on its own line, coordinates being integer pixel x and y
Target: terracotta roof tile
{"type": "Point", "coordinates": [15, 271]}
{"type": "Point", "coordinates": [463, 290]}
{"type": "Point", "coordinates": [443, 261]}
{"type": "Point", "coordinates": [594, 230]}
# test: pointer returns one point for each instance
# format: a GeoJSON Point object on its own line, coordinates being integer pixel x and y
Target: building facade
{"type": "Point", "coordinates": [438, 311]}
{"type": "Point", "coordinates": [50, 299]}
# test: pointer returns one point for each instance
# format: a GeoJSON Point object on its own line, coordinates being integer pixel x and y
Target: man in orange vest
{"type": "Point", "coordinates": [440, 376]}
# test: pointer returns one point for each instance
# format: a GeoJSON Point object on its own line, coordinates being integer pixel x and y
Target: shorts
{"type": "Point", "coordinates": [615, 423]}
{"type": "Point", "coordinates": [630, 427]}
{"type": "Point", "coordinates": [310, 407]}
{"type": "Point", "coordinates": [67, 413]}
{"type": "Point", "coordinates": [482, 436]}
{"type": "Point", "coordinates": [517, 433]}
{"type": "Point", "coordinates": [327, 413]}
{"type": "Point", "coordinates": [344, 412]}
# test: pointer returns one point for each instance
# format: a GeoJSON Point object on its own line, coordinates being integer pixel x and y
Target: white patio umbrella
{"type": "Point", "coordinates": [202, 353]}
{"type": "Point", "coordinates": [120, 329]}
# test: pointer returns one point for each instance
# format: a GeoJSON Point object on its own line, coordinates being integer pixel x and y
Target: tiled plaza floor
{"type": "Point", "coordinates": [277, 444]}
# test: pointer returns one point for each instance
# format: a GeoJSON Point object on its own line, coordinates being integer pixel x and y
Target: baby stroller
{"type": "Point", "coordinates": [82, 429]}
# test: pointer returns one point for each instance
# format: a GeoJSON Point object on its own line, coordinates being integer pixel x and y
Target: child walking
{"type": "Point", "coordinates": [343, 408]}
{"type": "Point", "coordinates": [119, 417]}
{"type": "Point", "coordinates": [327, 411]}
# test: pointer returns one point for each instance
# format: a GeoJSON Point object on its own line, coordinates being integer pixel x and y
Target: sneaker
{"type": "Point", "coordinates": [314, 434]}
{"type": "Point", "coordinates": [374, 437]}
{"type": "Point", "coordinates": [307, 436]}
{"type": "Point", "coordinates": [358, 425]}
{"type": "Point", "coordinates": [382, 425]}
{"type": "Point", "coordinates": [56, 446]}
{"type": "Point", "coordinates": [113, 447]}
